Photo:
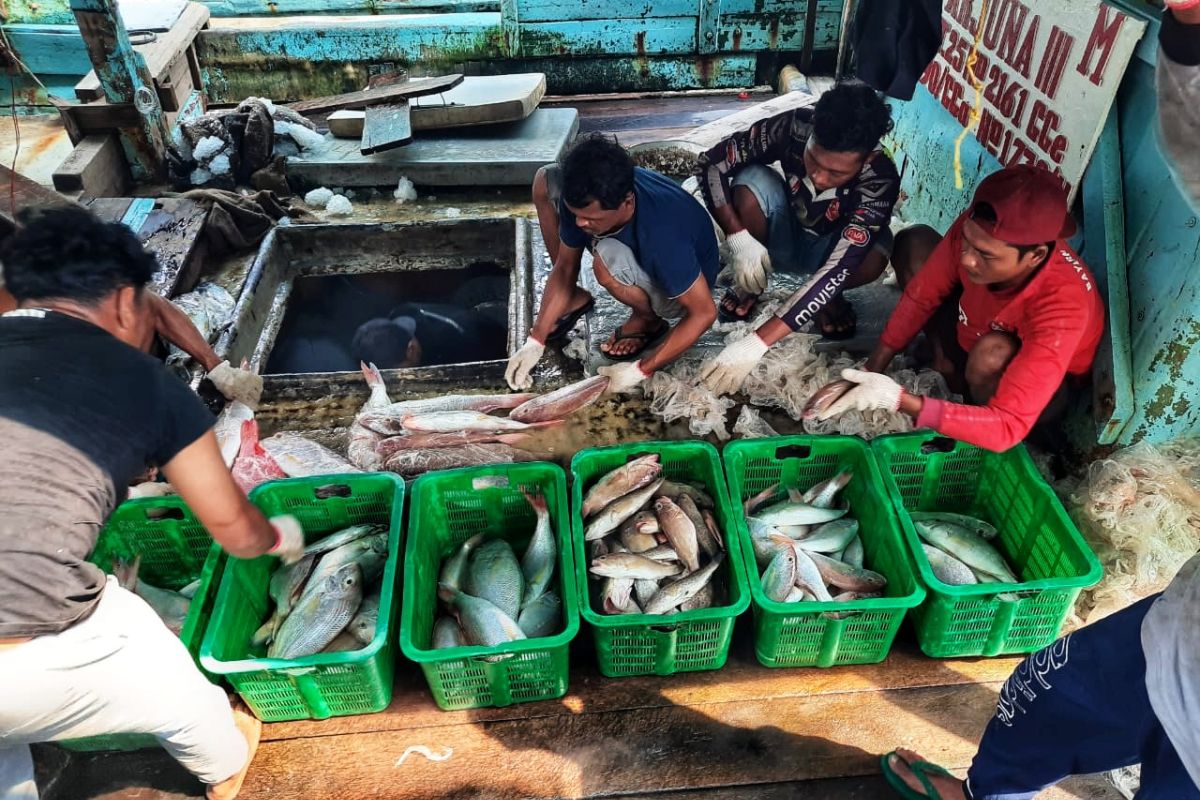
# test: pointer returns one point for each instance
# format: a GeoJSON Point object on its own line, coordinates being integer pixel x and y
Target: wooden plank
{"type": "Point", "coordinates": [377, 97]}
{"type": "Point", "coordinates": [172, 232]}
{"type": "Point", "coordinates": [385, 128]}
{"type": "Point", "coordinates": [579, 10]}
{"type": "Point", "coordinates": [99, 116]}
{"type": "Point", "coordinates": [635, 37]}
{"type": "Point", "coordinates": [18, 193]}
{"type": "Point", "coordinates": [96, 167]}
{"type": "Point", "coordinates": [159, 53]}
{"type": "Point", "coordinates": [177, 85]}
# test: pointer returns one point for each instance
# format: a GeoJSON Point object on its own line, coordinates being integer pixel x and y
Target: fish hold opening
{"type": "Point", "coordinates": [396, 320]}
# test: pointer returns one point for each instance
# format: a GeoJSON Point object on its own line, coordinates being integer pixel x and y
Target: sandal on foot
{"type": "Point", "coordinates": [921, 769]}
{"type": "Point", "coordinates": [567, 321]}
{"type": "Point", "coordinates": [647, 338]}
{"type": "Point", "coordinates": [725, 315]}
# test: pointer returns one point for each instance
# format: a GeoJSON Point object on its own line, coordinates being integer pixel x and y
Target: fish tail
{"type": "Point", "coordinates": [512, 438]}
{"type": "Point", "coordinates": [371, 373]}
{"type": "Point", "coordinates": [537, 501]}
{"type": "Point", "coordinates": [545, 424]}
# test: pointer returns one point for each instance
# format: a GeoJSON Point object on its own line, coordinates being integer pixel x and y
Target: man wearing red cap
{"type": "Point", "coordinates": [1012, 313]}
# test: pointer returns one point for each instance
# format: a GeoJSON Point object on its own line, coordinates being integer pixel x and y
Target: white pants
{"type": "Point", "coordinates": [119, 671]}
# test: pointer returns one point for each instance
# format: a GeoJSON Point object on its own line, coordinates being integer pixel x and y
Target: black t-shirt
{"type": "Point", "coordinates": [81, 414]}
{"type": "Point", "coordinates": [452, 335]}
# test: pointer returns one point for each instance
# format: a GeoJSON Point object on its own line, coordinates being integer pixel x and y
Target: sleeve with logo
{"type": "Point", "coordinates": [928, 289]}
{"type": "Point", "coordinates": [762, 143]}
{"type": "Point", "coordinates": [1057, 322]}
{"type": "Point", "coordinates": [877, 194]}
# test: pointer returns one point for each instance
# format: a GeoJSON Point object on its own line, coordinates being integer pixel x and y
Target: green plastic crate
{"type": "Point", "coordinates": [448, 507]}
{"type": "Point", "coordinates": [800, 634]}
{"type": "Point", "coordinates": [927, 472]}
{"type": "Point", "coordinates": [175, 550]}
{"type": "Point", "coordinates": [326, 684]}
{"type": "Point", "coordinates": [651, 644]}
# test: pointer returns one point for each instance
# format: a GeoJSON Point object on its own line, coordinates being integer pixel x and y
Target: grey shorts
{"type": "Point", "coordinates": [793, 248]}
{"type": "Point", "coordinates": [618, 258]}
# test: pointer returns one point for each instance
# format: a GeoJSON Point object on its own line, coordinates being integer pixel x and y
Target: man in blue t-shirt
{"type": "Point", "coordinates": [653, 248]}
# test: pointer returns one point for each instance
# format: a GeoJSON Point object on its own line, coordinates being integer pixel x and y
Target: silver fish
{"type": "Point", "coordinates": [825, 493]}
{"type": "Point", "coordinates": [411, 463]}
{"type": "Point", "coordinates": [981, 528]}
{"type": "Point", "coordinates": [832, 537]}
{"type": "Point", "coordinates": [629, 565]}
{"type": "Point", "coordinates": [948, 569]}
{"type": "Point", "coordinates": [753, 503]}
{"type": "Point", "coordinates": [447, 633]}
{"type": "Point", "coordinates": [644, 589]}
{"type": "Point", "coordinates": [286, 586]}
{"type": "Point", "coordinates": [494, 575]}
{"type": "Point", "coordinates": [481, 621]}
{"type": "Point", "coordinates": [824, 397]}
{"type": "Point", "coordinates": [541, 617]}
{"type": "Point", "coordinates": [621, 481]}
{"type": "Point", "coordinates": [618, 511]}
{"type": "Point", "coordinates": [537, 565]}
{"type": "Point", "coordinates": [844, 576]}
{"type": "Point", "coordinates": [684, 589]}
{"type": "Point", "coordinates": [561, 402]}
{"type": "Point", "coordinates": [362, 627]}
{"type": "Point", "coordinates": [301, 458]}
{"type": "Point", "coordinates": [765, 540]}
{"type": "Point", "coordinates": [370, 553]}
{"type": "Point", "coordinates": [335, 540]}
{"type": "Point", "coordinates": [680, 531]}
{"type": "Point", "coordinates": [789, 513]}
{"type": "Point", "coordinates": [452, 421]}
{"type": "Point", "coordinates": [454, 568]}
{"type": "Point", "coordinates": [853, 554]}
{"type": "Point", "coordinates": [615, 595]}
{"type": "Point", "coordinates": [481, 403]}
{"type": "Point", "coordinates": [807, 576]}
{"type": "Point", "coordinates": [966, 547]}
{"type": "Point", "coordinates": [321, 614]}
{"type": "Point", "coordinates": [780, 575]}
{"type": "Point", "coordinates": [388, 447]}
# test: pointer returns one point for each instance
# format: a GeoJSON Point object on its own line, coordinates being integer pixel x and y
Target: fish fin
{"type": "Point", "coordinates": [189, 591]}
{"type": "Point", "coordinates": [446, 593]}
{"type": "Point", "coordinates": [537, 501]}
{"type": "Point", "coordinates": [265, 633]}
{"type": "Point", "coordinates": [781, 539]}
{"type": "Point", "coordinates": [371, 373]}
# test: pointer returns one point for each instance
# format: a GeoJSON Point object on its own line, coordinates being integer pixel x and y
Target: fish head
{"type": "Point", "coordinates": [345, 580]}
{"type": "Point", "coordinates": [665, 505]}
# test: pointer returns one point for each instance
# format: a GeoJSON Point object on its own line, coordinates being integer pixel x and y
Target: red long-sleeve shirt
{"type": "Point", "coordinates": [1058, 316]}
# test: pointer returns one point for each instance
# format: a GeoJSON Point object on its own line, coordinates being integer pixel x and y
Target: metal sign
{"type": "Point", "coordinates": [1050, 72]}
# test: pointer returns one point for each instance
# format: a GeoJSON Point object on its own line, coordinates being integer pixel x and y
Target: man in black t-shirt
{"type": "Point", "coordinates": [82, 412]}
{"type": "Point", "coordinates": [419, 334]}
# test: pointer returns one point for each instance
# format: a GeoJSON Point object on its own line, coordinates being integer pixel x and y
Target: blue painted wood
{"type": "Point", "coordinates": [50, 49]}
{"type": "Point", "coordinates": [32, 99]}
{"type": "Point", "coordinates": [258, 8]}
{"type": "Point", "coordinates": [580, 10]}
{"type": "Point", "coordinates": [648, 37]}
{"type": "Point", "coordinates": [710, 19]}
{"type": "Point", "coordinates": [749, 33]}
{"type": "Point", "coordinates": [39, 12]}
{"type": "Point", "coordinates": [826, 9]}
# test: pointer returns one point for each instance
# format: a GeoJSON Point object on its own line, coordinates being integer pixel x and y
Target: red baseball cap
{"type": "Point", "coordinates": [1030, 205]}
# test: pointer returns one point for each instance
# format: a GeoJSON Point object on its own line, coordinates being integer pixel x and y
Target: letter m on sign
{"type": "Point", "coordinates": [1104, 36]}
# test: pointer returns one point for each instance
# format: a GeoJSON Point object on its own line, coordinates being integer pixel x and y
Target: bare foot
{"type": "Point", "coordinates": [251, 728]}
{"type": "Point", "coordinates": [947, 788]}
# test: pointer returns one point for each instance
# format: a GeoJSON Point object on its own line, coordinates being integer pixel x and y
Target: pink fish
{"type": "Point", "coordinates": [253, 464]}
{"type": "Point", "coordinates": [561, 402]}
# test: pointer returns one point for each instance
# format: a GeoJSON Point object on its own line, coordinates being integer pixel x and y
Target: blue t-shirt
{"type": "Point", "coordinates": [671, 234]}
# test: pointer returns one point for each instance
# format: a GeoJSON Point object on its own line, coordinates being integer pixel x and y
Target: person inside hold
{"type": "Point", "coordinates": [82, 411]}
{"type": "Point", "coordinates": [1012, 315]}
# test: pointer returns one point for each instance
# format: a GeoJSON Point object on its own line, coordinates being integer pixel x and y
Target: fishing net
{"type": "Point", "coordinates": [1139, 509]}
{"type": "Point", "coordinates": [750, 425]}
{"type": "Point", "coordinates": [678, 394]}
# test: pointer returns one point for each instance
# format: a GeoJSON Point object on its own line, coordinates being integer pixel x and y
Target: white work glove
{"type": "Point", "coordinates": [289, 539]}
{"type": "Point", "coordinates": [241, 385]}
{"type": "Point", "coordinates": [726, 373]}
{"type": "Point", "coordinates": [522, 363]}
{"type": "Point", "coordinates": [873, 391]}
{"type": "Point", "coordinates": [751, 263]}
{"type": "Point", "coordinates": [624, 376]}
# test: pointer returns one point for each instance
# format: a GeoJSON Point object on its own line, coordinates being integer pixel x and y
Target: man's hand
{"type": "Point", "coordinates": [623, 377]}
{"type": "Point", "coordinates": [241, 385]}
{"type": "Point", "coordinates": [873, 391]}
{"type": "Point", "coordinates": [751, 263]}
{"type": "Point", "coordinates": [289, 543]}
{"type": "Point", "coordinates": [522, 363]}
{"type": "Point", "coordinates": [726, 373]}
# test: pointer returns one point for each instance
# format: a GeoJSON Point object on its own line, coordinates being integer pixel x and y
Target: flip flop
{"type": "Point", "coordinates": [846, 310]}
{"type": "Point", "coordinates": [733, 316]}
{"type": "Point", "coordinates": [922, 769]}
{"type": "Point", "coordinates": [566, 322]}
{"type": "Point", "coordinates": [647, 338]}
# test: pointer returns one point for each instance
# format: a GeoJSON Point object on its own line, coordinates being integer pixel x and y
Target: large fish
{"type": "Point", "coordinates": [494, 574]}
{"type": "Point", "coordinates": [844, 576]}
{"type": "Point", "coordinates": [824, 397]}
{"type": "Point", "coordinates": [561, 402]}
{"type": "Point", "coordinates": [345, 536]}
{"type": "Point", "coordinates": [825, 493]}
{"type": "Point", "coordinates": [363, 441]}
{"type": "Point", "coordinates": [620, 482]}
{"type": "Point", "coordinates": [683, 589]}
{"type": "Point", "coordinates": [618, 511]}
{"type": "Point", "coordinates": [254, 465]}
{"type": "Point", "coordinates": [677, 489]}
{"type": "Point", "coordinates": [482, 403]}
{"type": "Point", "coordinates": [832, 537]}
{"type": "Point", "coordinates": [411, 463]}
{"type": "Point", "coordinates": [454, 568]}
{"type": "Point", "coordinates": [541, 617]}
{"type": "Point", "coordinates": [286, 585]}
{"type": "Point", "coordinates": [447, 633]}
{"type": "Point", "coordinates": [981, 528]}
{"type": "Point", "coordinates": [369, 552]}
{"type": "Point", "coordinates": [424, 441]}
{"type": "Point", "coordinates": [752, 504]}
{"type": "Point", "coordinates": [228, 429]}
{"type": "Point", "coordinates": [171, 607]}
{"type": "Point", "coordinates": [537, 565]}
{"type": "Point", "coordinates": [629, 565]}
{"type": "Point", "coordinates": [321, 614]}
{"type": "Point", "coordinates": [948, 569]}
{"type": "Point", "coordinates": [680, 531]}
{"type": "Point", "coordinates": [454, 421]}
{"type": "Point", "coordinates": [301, 458]}
{"type": "Point", "coordinates": [791, 513]}
{"type": "Point", "coordinates": [967, 547]}
{"type": "Point", "coordinates": [481, 621]}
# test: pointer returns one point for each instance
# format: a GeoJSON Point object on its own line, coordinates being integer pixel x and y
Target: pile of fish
{"type": "Point", "coordinates": [416, 436]}
{"type": "Point", "coordinates": [210, 308]}
{"type": "Point", "coordinates": [654, 542]}
{"type": "Point", "coordinates": [328, 601]}
{"type": "Point", "coordinates": [807, 548]}
{"type": "Point", "coordinates": [959, 549]}
{"type": "Point", "coordinates": [171, 607]}
{"type": "Point", "coordinates": [491, 598]}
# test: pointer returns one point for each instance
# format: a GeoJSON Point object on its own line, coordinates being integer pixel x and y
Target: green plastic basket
{"type": "Point", "coordinates": [801, 634]}
{"type": "Point", "coordinates": [175, 550]}
{"type": "Point", "coordinates": [448, 507]}
{"type": "Point", "coordinates": [326, 684]}
{"type": "Point", "coordinates": [927, 472]}
{"type": "Point", "coordinates": [649, 644]}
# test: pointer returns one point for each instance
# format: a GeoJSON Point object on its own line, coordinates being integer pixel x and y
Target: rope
{"type": "Point", "coordinates": [977, 107]}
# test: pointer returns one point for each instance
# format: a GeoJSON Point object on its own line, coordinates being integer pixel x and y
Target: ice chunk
{"type": "Point", "coordinates": [453, 212]}
{"type": "Point", "coordinates": [405, 191]}
{"type": "Point", "coordinates": [339, 206]}
{"type": "Point", "coordinates": [308, 140]}
{"type": "Point", "coordinates": [318, 198]}
{"type": "Point", "coordinates": [200, 176]}
{"type": "Point", "coordinates": [207, 147]}
{"type": "Point", "coordinates": [220, 165]}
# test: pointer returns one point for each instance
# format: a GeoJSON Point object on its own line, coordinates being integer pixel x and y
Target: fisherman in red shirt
{"type": "Point", "coordinates": [1012, 313]}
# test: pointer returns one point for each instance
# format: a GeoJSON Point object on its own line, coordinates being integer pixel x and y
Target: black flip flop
{"type": "Point", "coordinates": [648, 340]}
{"type": "Point", "coordinates": [733, 316]}
{"type": "Point", "coordinates": [567, 321]}
{"type": "Point", "coordinates": [845, 333]}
